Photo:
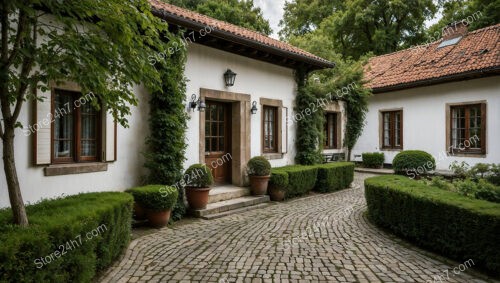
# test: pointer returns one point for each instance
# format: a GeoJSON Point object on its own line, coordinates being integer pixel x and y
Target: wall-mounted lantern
{"type": "Point", "coordinates": [254, 108]}
{"type": "Point", "coordinates": [229, 77]}
{"type": "Point", "coordinates": [197, 102]}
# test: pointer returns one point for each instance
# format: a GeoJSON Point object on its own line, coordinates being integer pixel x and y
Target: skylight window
{"type": "Point", "coordinates": [449, 42]}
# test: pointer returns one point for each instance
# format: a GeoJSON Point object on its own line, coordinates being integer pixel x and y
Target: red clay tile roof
{"type": "Point", "coordinates": [240, 32]}
{"type": "Point", "coordinates": [477, 53]}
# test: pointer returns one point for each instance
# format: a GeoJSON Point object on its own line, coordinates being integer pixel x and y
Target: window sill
{"type": "Point", "coordinates": [273, 156]}
{"type": "Point", "coordinates": [466, 154]}
{"type": "Point", "coordinates": [391, 149]}
{"type": "Point", "coordinates": [75, 168]}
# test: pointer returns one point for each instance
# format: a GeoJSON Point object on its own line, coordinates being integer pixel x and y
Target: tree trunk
{"type": "Point", "coordinates": [9, 166]}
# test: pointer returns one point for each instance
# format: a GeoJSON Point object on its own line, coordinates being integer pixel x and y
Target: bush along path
{"type": "Point", "coordinates": [323, 238]}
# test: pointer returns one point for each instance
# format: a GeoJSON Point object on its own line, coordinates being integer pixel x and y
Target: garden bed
{"type": "Point", "coordinates": [443, 221]}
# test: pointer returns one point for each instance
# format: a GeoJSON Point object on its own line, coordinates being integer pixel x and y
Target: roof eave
{"type": "Point", "coordinates": [492, 71]}
{"type": "Point", "coordinates": [177, 20]}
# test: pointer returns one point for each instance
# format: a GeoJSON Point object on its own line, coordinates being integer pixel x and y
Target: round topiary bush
{"type": "Point", "coordinates": [413, 163]}
{"type": "Point", "coordinates": [259, 166]}
{"type": "Point", "coordinates": [155, 197]}
{"type": "Point", "coordinates": [198, 176]}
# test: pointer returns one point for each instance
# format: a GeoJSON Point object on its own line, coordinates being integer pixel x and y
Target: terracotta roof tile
{"type": "Point", "coordinates": [233, 29]}
{"type": "Point", "coordinates": [476, 51]}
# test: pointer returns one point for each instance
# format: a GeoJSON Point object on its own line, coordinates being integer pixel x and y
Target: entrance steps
{"type": "Point", "coordinates": [227, 200]}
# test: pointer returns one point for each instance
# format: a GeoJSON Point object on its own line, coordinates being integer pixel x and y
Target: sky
{"type": "Point", "coordinates": [273, 11]}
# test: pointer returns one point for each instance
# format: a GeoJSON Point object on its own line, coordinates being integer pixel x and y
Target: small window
{"type": "Point", "coordinates": [75, 134]}
{"type": "Point", "coordinates": [392, 127]}
{"type": "Point", "coordinates": [468, 128]}
{"type": "Point", "coordinates": [331, 131]}
{"type": "Point", "coordinates": [270, 129]}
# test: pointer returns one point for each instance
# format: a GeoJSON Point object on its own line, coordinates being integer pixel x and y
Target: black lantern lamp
{"type": "Point", "coordinates": [229, 77]}
{"type": "Point", "coordinates": [254, 108]}
{"type": "Point", "coordinates": [197, 102]}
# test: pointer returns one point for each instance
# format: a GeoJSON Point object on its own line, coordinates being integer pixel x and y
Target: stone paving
{"type": "Point", "coordinates": [323, 238]}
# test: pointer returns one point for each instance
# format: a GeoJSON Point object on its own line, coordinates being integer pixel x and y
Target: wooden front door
{"type": "Point", "coordinates": [218, 140]}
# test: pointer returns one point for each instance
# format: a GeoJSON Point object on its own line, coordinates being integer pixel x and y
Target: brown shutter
{"type": "Point", "coordinates": [109, 137]}
{"type": "Point", "coordinates": [284, 130]}
{"type": "Point", "coordinates": [483, 128]}
{"type": "Point", "coordinates": [41, 129]}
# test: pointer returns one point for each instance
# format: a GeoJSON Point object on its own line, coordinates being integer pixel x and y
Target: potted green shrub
{"type": "Point", "coordinates": [198, 179]}
{"type": "Point", "coordinates": [278, 185]}
{"type": "Point", "coordinates": [259, 171]}
{"type": "Point", "coordinates": [157, 200]}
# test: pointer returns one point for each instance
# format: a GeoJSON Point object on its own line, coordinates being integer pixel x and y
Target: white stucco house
{"type": "Point", "coordinates": [85, 151]}
{"type": "Point", "coordinates": [443, 98]}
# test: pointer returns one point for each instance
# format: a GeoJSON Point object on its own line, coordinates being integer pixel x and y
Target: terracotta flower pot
{"type": "Point", "coordinates": [276, 194]}
{"type": "Point", "coordinates": [158, 219]}
{"type": "Point", "coordinates": [139, 211]}
{"type": "Point", "coordinates": [197, 198]}
{"type": "Point", "coordinates": [258, 185]}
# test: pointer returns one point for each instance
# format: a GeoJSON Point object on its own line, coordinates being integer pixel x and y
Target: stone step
{"type": "Point", "coordinates": [232, 204]}
{"type": "Point", "coordinates": [236, 211]}
{"type": "Point", "coordinates": [222, 193]}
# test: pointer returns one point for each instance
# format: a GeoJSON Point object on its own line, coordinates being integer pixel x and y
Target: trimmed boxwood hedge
{"type": "Point", "coordinates": [59, 222]}
{"type": "Point", "coordinates": [298, 180]}
{"type": "Point", "coordinates": [301, 179]}
{"type": "Point", "coordinates": [334, 176]}
{"type": "Point", "coordinates": [443, 221]}
{"type": "Point", "coordinates": [373, 160]}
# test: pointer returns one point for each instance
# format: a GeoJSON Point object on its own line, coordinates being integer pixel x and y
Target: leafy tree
{"type": "Point", "coordinates": [477, 13]}
{"type": "Point", "coordinates": [360, 26]}
{"type": "Point", "coordinates": [101, 45]}
{"type": "Point", "coordinates": [304, 16]}
{"type": "Point", "coordinates": [242, 13]}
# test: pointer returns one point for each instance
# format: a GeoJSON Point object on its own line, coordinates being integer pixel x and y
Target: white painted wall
{"type": "Point", "coordinates": [424, 119]}
{"type": "Point", "coordinates": [205, 68]}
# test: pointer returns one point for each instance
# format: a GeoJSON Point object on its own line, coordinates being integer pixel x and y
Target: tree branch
{"type": "Point", "coordinates": [5, 33]}
{"type": "Point", "coordinates": [25, 71]}
{"type": "Point", "coordinates": [21, 32]}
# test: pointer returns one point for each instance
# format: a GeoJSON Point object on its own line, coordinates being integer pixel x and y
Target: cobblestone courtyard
{"type": "Point", "coordinates": [324, 238]}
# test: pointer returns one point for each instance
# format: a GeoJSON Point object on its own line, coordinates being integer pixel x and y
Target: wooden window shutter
{"type": "Point", "coordinates": [109, 137]}
{"type": "Point", "coordinates": [484, 128]}
{"type": "Point", "coordinates": [284, 130]}
{"type": "Point", "coordinates": [42, 129]}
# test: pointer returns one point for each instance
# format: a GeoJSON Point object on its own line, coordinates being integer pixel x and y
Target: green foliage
{"type": "Point", "coordinates": [479, 170]}
{"type": "Point", "coordinates": [301, 179]}
{"type": "Point", "coordinates": [460, 169]}
{"type": "Point", "coordinates": [279, 179]}
{"type": "Point", "coordinates": [166, 144]}
{"type": "Point", "coordinates": [198, 176]}
{"type": "Point", "coordinates": [334, 176]}
{"type": "Point", "coordinates": [478, 189]}
{"type": "Point", "coordinates": [62, 222]}
{"type": "Point", "coordinates": [477, 13]}
{"type": "Point", "coordinates": [259, 166]}
{"type": "Point", "coordinates": [487, 191]}
{"type": "Point", "coordinates": [413, 162]}
{"type": "Point", "coordinates": [445, 222]}
{"type": "Point", "coordinates": [155, 197]}
{"type": "Point", "coordinates": [309, 124]}
{"type": "Point", "coordinates": [241, 13]}
{"type": "Point", "coordinates": [358, 27]}
{"type": "Point", "coordinates": [494, 176]}
{"type": "Point", "coordinates": [373, 160]}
